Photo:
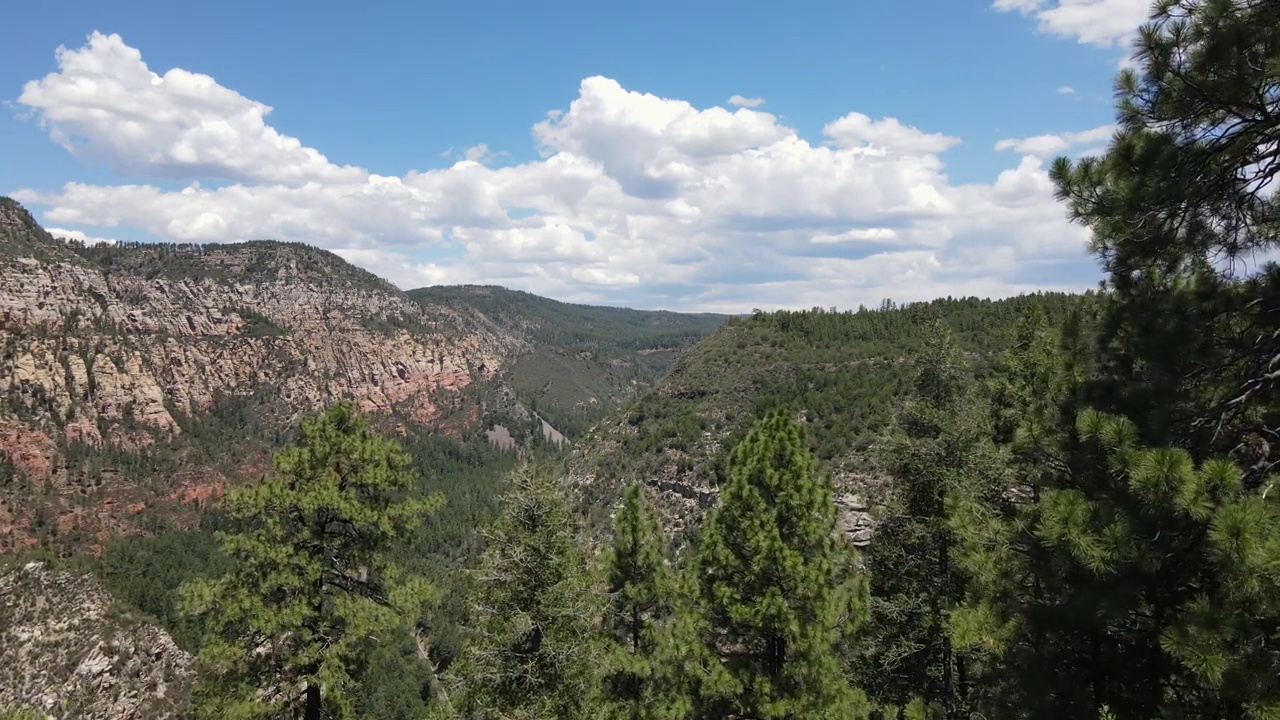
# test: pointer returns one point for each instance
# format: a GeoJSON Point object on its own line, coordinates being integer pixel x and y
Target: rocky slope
{"type": "Point", "coordinates": [68, 653]}
{"type": "Point", "coordinates": [156, 373]}
{"type": "Point", "coordinates": [116, 347]}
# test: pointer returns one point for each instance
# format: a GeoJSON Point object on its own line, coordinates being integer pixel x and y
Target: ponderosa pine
{"type": "Point", "coordinates": [310, 590]}
{"type": "Point", "coordinates": [644, 678]}
{"type": "Point", "coordinates": [777, 586]}
{"type": "Point", "coordinates": [948, 477]}
{"type": "Point", "coordinates": [534, 603]}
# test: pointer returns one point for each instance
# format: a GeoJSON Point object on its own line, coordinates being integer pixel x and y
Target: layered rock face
{"type": "Point", "coordinates": [112, 347]}
{"type": "Point", "coordinates": [68, 654]}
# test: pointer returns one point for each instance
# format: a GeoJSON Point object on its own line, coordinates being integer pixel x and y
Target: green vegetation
{"type": "Point", "coordinates": [644, 678]}
{"type": "Point", "coordinates": [532, 613]}
{"type": "Point", "coordinates": [584, 360]}
{"type": "Point", "coordinates": [255, 323]}
{"type": "Point", "coordinates": [1082, 521]}
{"type": "Point", "coordinates": [310, 586]}
{"type": "Point", "coordinates": [942, 444]}
{"type": "Point", "coordinates": [843, 372]}
{"type": "Point", "coordinates": [8, 713]}
{"type": "Point", "coordinates": [777, 585]}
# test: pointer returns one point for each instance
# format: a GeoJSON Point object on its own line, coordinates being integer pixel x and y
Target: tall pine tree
{"type": "Point", "coordinates": [777, 584]}
{"type": "Point", "coordinates": [644, 677]}
{"type": "Point", "coordinates": [532, 651]}
{"type": "Point", "coordinates": [311, 591]}
{"type": "Point", "coordinates": [1158, 555]}
{"type": "Point", "coordinates": [948, 478]}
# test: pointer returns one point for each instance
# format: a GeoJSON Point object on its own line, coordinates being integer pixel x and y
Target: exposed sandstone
{"type": "Point", "coordinates": [82, 350]}
{"type": "Point", "coordinates": [66, 652]}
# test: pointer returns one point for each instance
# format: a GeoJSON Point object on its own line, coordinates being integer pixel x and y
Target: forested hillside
{"type": "Point", "coordinates": [581, 360]}
{"type": "Point", "coordinates": [840, 373]}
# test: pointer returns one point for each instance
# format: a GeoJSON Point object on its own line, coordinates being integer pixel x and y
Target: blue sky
{"type": "Point", "coordinates": [650, 187]}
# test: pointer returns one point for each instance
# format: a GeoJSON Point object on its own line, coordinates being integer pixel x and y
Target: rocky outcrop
{"type": "Point", "coordinates": [67, 653]}
{"type": "Point", "coordinates": [96, 352]}
{"type": "Point", "coordinates": [117, 346]}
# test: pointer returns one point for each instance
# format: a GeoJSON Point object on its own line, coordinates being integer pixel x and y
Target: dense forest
{"type": "Point", "coordinates": [1082, 523]}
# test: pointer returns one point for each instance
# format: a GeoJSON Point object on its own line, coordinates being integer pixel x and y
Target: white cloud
{"type": "Point", "coordinates": [857, 131]}
{"type": "Point", "coordinates": [741, 101]}
{"type": "Point", "coordinates": [481, 154]}
{"type": "Point", "coordinates": [104, 105]}
{"type": "Point", "coordinates": [1104, 23]}
{"type": "Point", "coordinates": [1046, 145]}
{"type": "Point", "coordinates": [859, 235]}
{"type": "Point", "coordinates": [1066, 90]}
{"type": "Point", "coordinates": [65, 234]}
{"type": "Point", "coordinates": [636, 199]}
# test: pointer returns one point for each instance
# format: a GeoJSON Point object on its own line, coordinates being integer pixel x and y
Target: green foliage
{"type": "Point", "coordinates": [146, 572]}
{"type": "Point", "coordinates": [777, 584]}
{"type": "Point", "coordinates": [19, 713]}
{"type": "Point", "coordinates": [310, 586]}
{"type": "Point", "coordinates": [534, 600]}
{"type": "Point", "coordinates": [949, 476]}
{"type": "Point", "coordinates": [643, 679]}
{"type": "Point", "coordinates": [844, 371]}
{"type": "Point", "coordinates": [255, 323]}
{"type": "Point", "coordinates": [1181, 212]}
{"type": "Point", "coordinates": [1140, 583]}
{"type": "Point", "coordinates": [1173, 559]}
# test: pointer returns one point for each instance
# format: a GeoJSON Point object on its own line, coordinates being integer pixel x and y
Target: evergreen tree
{"type": "Point", "coordinates": [777, 584]}
{"type": "Point", "coordinates": [1158, 586]}
{"type": "Point", "coordinates": [1182, 209]}
{"type": "Point", "coordinates": [639, 682]}
{"type": "Point", "coordinates": [310, 592]}
{"type": "Point", "coordinates": [949, 482]}
{"type": "Point", "coordinates": [533, 612]}
{"type": "Point", "coordinates": [1149, 528]}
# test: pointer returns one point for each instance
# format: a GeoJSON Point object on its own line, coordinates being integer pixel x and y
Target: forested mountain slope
{"type": "Point", "coordinates": [580, 361]}
{"type": "Point", "coordinates": [841, 373]}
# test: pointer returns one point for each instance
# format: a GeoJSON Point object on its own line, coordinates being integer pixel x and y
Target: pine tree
{"type": "Point", "coordinates": [948, 482]}
{"type": "Point", "coordinates": [1157, 554]}
{"type": "Point", "coordinates": [535, 602]}
{"type": "Point", "coordinates": [642, 681]}
{"type": "Point", "coordinates": [1182, 208]}
{"type": "Point", "coordinates": [310, 591]}
{"type": "Point", "coordinates": [776, 584]}
{"type": "Point", "coordinates": [1034, 394]}
{"type": "Point", "coordinates": [1159, 585]}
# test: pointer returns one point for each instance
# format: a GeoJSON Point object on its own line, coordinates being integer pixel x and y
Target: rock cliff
{"type": "Point", "coordinates": [114, 347]}
{"type": "Point", "coordinates": [70, 654]}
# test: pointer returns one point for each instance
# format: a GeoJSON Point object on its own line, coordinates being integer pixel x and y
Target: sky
{"type": "Point", "coordinates": [700, 156]}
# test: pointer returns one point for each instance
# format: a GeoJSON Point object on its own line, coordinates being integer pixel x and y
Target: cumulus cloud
{"type": "Point", "coordinates": [635, 199]}
{"type": "Point", "coordinates": [859, 132]}
{"type": "Point", "coordinates": [1045, 145]}
{"type": "Point", "coordinates": [1104, 23]}
{"type": "Point", "coordinates": [105, 105]}
{"type": "Point", "coordinates": [65, 234]}
{"type": "Point", "coordinates": [741, 101]}
{"type": "Point", "coordinates": [1066, 90]}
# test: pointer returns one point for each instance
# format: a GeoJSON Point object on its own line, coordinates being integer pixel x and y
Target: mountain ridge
{"type": "Point", "coordinates": [138, 373]}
